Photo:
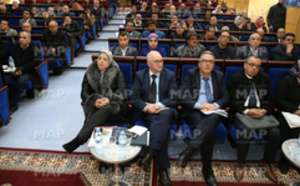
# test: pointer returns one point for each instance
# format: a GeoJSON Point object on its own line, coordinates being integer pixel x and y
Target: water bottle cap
{"type": "Point", "coordinates": [97, 129]}
{"type": "Point", "coordinates": [122, 133]}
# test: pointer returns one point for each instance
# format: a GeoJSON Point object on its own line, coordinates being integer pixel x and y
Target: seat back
{"type": "Point", "coordinates": [230, 71]}
{"type": "Point", "coordinates": [127, 72]}
{"type": "Point", "coordinates": [275, 75]}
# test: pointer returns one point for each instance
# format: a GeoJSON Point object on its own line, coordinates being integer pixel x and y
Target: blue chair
{"type": "Point", "coordinates": [127, 72]}
{"type": "Point", "coordinates": [245, 37]}
{"type": "Point", "coordinates": [232, 70]}
{"type": "Point", "coordinates": [275, 75]}
{"type": "Point", "coordinates": [165, 46]}
{"type": "Point", "coordinates": [4, 103]}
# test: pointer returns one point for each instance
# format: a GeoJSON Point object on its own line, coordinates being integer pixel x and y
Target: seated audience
{"type": "Point", "coordinates": [45, 19]}
{"type": "Point", "coordinates": [51, 12]}
{"type": "Point", "coordinates": [25, 58]}
{"type": "Point", "coordinates": [286, 51]}
{"type": "Point", "coordinates": [15, 5]}
{"type": "Point", "coordinates": [230, 10]}
{"type": "Point", "coordinates": [261, 32]}
{"type": "Point", "coordinates": [209, 5]}
{"type": "Point", "coordinates": [88, 19]}
{"type": "Point", "coordinates": [5, 29]}
{"type": "Point", "coordinates": [73, 31]}
{"type": "Point", "coordinates": [172, 25]}
{"type": "Point", "coordinates": [248, 26]}
{"type": "Point", "coordinates": [123, 48]}
{"type": "Point", "coordinates": [34, 2]}
{"type": "Point", "coordinates": [207, 15]}
{"type": "Point", "coordinates": [3, 3]}
{"type": "Point", "coordinates": [152, 29]}
{"type": "Point", "coordinates": [59, 6]}
{"type": "Point", "coordinates": [153, 45]}
{"type": "Point", "coordinates": [35, 12]}
{"type": "Point", "coordinates": [154, 103]}
{"type": "Point", "coordinates": [144, 7]}
{"type": "Point", "coordinates": [138, 22]}
{"type": "Point", "coordinates": [98, 11]}
{"type": "Point", "coordinates": [166, 9]}
{"type": "Point", "coordinates": [65, 11]}
{"type": "Point", "coordinates": [224, 5]}
{"type": "Point", "coordinates": [86, 3]}
{"type": "Point", "coordinates": [182, 10]}
{"type": "Point", "coordinates": [288, 100]}
{"type": "Point", "coordinates": [209, 33]}
{"type": "Point", "coordinates": [245, 14]}
{"type": "Point", "coordinates": [48, 2]}
{"type": "Point", "coordinates": [154, 9]}
{"type": "Point", "coordinates": [191, 25]}
{"type": "Point", "coordinates": [257, 101]}
{"type": "Point", "coordinates": [260, 23]}
{"type": "Point", "coordinates": [214, 23]}
{"type": "Point", "coordinates": [232, 38]}
{"type": "Point", "coordinates": [104, 97]}
{"type": "Point", "coordinates": [223, 50]}
{"type": "Point", "coordinates": [27, 28]}
{"type": "Point", "coordinates": [197, 9]}
{"type": "Point", "coordinates": [279, 35]}
{"type": "Point", "coordinates": [253, 49]}
{"type": "Point", "coordinates": [132, 13]}
{"type": "Point", "coordinates": [130, 29]}
{"type": "Point", "coordinates": [171, 13]}
{"type": "Point", "coordinates": [27, 18]}
{"type": "Point", "coordinates": [138, 4]}
{"type": "Point", "coordinates": [154, 18]}
{"type": "Point", "coordinates": [217, 10]}
{"type": "Point", "coordinates": [238, 24]}
{"type": "Point", "coordinates": [55, 41]}
{"type": "Point", "coordinates": [180, 32]}
{"type": "Point", "coordinates": [4, 12]}
{"type": "Point", "coordinates": [203, 89]}
{"type": "Point", "coordinates": [191, 49]}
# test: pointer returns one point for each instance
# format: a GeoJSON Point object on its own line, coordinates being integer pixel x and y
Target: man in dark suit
{"type": "Point", "coordinates": [213, 21]}
{"type": "Point", "coordinates": [209, 33]}
{"type": "Point", "coordinates": [250, 93]}
{"type": "Point", "coordinates": [26, 57]}
{"type": "Point", "coordinates": [27, 18]}
{"type": "Point", "coordinates": [55, 40]}
{"type": "Point", "coordinates": [203, 89]}
{"type": "Point", "coordinates": [123, 48]}
{"type": "Point", "coordinates": [130, 29]}
{"type": "Point", "coordinates": [154, 98]}
{"type": "Point", "coordinates": [279, 35]}
{"type": "Point", "coordinates": [253, 49]}
{"type": "Point", "coordinates": [286, 51]}
{"type": "Point", "coordinates": [223, 50]}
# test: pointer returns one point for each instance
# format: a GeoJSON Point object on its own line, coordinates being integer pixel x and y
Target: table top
{"type": "Point", "coordinates": [288, 149]}
{"type": "Point", "coordinates": [111, 155]}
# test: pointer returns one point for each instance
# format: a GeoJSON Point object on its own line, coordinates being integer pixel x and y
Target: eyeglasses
{"type": "Point", "coordinates": [207, 61]}
{"type": "Point", "coordinates": [228, 37]}
{"type": "Point", "coordinates": [158, 61]}
{"type": "Point", "coordinates": [253, 65]}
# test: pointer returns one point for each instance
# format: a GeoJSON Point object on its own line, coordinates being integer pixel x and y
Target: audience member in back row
{"type": "Point", "coordinates": [171, 13]}
{"type": "Point", "coordinates": [5, 29]}
{"type": "Point", "coordinates": [153, 45]}
{"type": "Point", "coordinates": [154, 18]}
{"type": "Point", "coordinates": [4, 12]}
{"type": "Point", "coordinates": [27, 28]}
{"type": "Point", "coordinates": [217, 10]}
{"type": "Point", "coordinates": [45, 19]}
{"type": "Point", "coordinates": [138, 22]}
{"type": "Point", "coordinates": [15, 5]}
{"type": "Point", "coordinates": [238, 24]}
{"type": "Point", "coordinates": [144, 7]}
{"type": "Point", "coordinates": [182, 10]}
{"type": "Point", "coordinates": [180, 32]}
{"type": "Point", "coordinates": [26, 57]}
{"type": "Point", "coordinates": [104, 96]}
{"type": "Point", "coordinates": [172, 24]}
{"type": "Point", "coordinates": [51, 12]}
{"type": "Point", "coordinates": [192, 48]}
{"type": "Point", "coordinates": [256, 101]}
{"type": "Point", "coordinates": [288, 100]}
{"type": "Point", "coordinates": [209, 33]}
{"type": "Point", "coordinates": [130, 29]}
{"type": "Point", "coordinates": [55, 41]}
{"type": "Point", "coordinates": [279, 35]}
{"type": "Point", "coordinates": [232, 38]}
{"type": "Point", "coordinates": [48, 2]}
{"type": "Point", "coordinates": [260, 23]}
{"type": "Point", "coordinates": [88, 19]}
{"type": "Point", "coordinates": [123, 48]}
{"type": "Point", "coordinates": [73, 31]}
{"type": "Point", "coordinates": [191, 25]}
{"type": "Point", "coordinates": [248, 26]}
{"type": "Point", "coordinates": [206, 16]}
{"type": "Point", "coordinates": [152, 29]}
{"type": "Point", "coordinates": [98, 12]}
{"type": "Point", "coordinates": [253, 49]}
{"type": "Point", "coordinates": [213, 21]}
{"type": "Point", "coordinates": [154, 10]}
{"type": "Point", "coordinates": [261, 32]}
{"type": "Point", "coordinates": [286, 51]}
{"type": "Point", "coordinates": [27, 18]}
{"type": "Point", "coordinates": [223, 50]}
{"type": "Point", "coordinates": [132, 13]}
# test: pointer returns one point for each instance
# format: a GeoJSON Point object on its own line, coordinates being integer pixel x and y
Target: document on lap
{"type": "Point", "coordinates": [220, 112]}
{"type": "Point", "coordinates": [292, 119]}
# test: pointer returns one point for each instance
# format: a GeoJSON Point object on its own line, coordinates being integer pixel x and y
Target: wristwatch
{"type": "Point", "coordinates": [156, 106]}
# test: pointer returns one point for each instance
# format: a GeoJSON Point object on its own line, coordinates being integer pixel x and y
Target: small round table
{"type": "Point", "coordinates": [288, 149]}
{"type": "Point", "coordinates": [111, 155]}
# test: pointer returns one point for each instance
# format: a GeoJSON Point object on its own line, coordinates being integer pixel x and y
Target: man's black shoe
{"type": "Point", "coordinates": [164, 179]}
{"type": "Point", "coordinates": [185, 156]}
{"type": "Point", "coordinates": [209, 178]}
{"type": "Point", "coordinates": [145, 163]}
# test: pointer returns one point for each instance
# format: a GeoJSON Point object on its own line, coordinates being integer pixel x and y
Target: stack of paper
{"type": "Point", "coordinates": [292, 119]}
{"type": "Point", "coordinates": [220, 112]}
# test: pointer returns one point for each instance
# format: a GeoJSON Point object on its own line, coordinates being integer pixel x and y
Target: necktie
{"type": "Point", "coordinates": [252, 98]}
{"type": "Point", "coordinates": [209, 96]}
{"type": "Point", "coordinates": [152, 93]}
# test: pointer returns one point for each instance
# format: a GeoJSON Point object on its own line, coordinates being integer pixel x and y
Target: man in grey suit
{"type": "Point", "coordinates": [123, 48]}
{"type": "Point", "coordinates": [6, 30]}
{"type": "Point", "coordinates": [253, 49]}
{"type": "Point", "coordinates": [130, 29]}
{"type": "Point", "coordinates": [203, 89]}
{"type": "Point", "coordinates": [27, 18]}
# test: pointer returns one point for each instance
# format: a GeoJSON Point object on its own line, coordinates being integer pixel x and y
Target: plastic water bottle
{"type": "Point", "coordinates": [122, 143]}
{"type": "Point", "coordinates": [98, 140]}
{"type": "Point", "coordinates": [297, 149]}
{"type": "Point", "coordinates": [12, 64]}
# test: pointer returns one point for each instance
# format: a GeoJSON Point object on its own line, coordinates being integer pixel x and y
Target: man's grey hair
{"type": "Point", "coordinates": [29, 35]}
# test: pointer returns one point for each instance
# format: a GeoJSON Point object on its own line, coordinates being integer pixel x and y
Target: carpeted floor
{"type": "Point", "coordinates": [58, 168]}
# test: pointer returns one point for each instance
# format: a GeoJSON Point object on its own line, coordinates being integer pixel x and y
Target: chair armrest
{"type": "Point", "coordinates": [94, 31]}
{"type": "Point", "coordinates": [4, 106]}
{"type": "Point", "coordinates": [82, 41]}
{"type": "Point", "coordinates": [67, 55]}
{"type": "Point", "coordinates": [42, 71]}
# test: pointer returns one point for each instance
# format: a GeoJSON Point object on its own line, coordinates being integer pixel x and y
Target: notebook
{"type": "Point", "coordinates": [267, 121]}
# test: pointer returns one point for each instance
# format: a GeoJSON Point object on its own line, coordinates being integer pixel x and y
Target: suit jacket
{"type": "Point", "coordinates": [160, 34]}
{"type": "Point", "coordinates": [278, 54]}
{"type": "Point", "coordinates": [239, 86]}
{"type": "Point", "coordinates": [274, 39]}
{"type": "Point", "coordinates": [136, 34]}
{"type": "Point", "coordinates": [141, 88]}
{"type": "Point", "coordinates": [117, 51]}
{"type": "Point", "coordinates": [9, 32]}
{"type": "Point", "coordinates": [189, 90]}
{"type": "Point", "coordinates": [227, 53]}
{"type": "Point", "coordinates": [32, 22]}
{"type": "Point", "coordinates": [75, 29]}
{"type": "Point", "coordinates": [243, 52]}
{"type": "Point", "coordinates": [55, 41]}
